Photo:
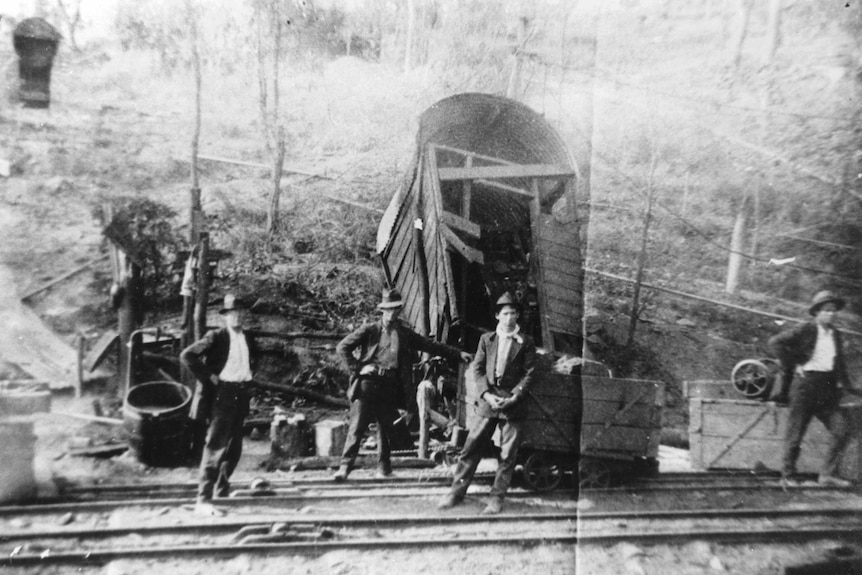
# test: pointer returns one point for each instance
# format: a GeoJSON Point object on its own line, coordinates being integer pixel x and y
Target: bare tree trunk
{"type": "Point", "coordinates": [72, 19]}
{"type": "Point", "coordinates": [735, 259]}
{"type": "Point", "coordinates": [410, 36]}
{"type": "Point", "coordinates": [273, 131]}
{"type": "Point", "coordinates": [196, 64]}
{"type": "Point", "coordinates": [642, 256]}
{"type": "Point", "coordinates": [272, 225]}
{"type": "Point", "coordinates": [739, 31]}
{"type": "Point", "coordinates": [773, 32]}
{"type": "Point", "coordinates": [514, 89]}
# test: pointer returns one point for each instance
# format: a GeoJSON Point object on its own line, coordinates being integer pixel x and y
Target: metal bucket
{"type": "Point", "coordinates": [156, 421]}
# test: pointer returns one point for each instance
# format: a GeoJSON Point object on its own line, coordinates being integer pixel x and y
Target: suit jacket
{"type": "Point", "coordinates": [207, 357]}
{"type": "Point", "coordinates": [367, 338]}
{"type": "Point", "coordinates": [517, 376]}
{"type": "Point", "coordinates": [794, 347]}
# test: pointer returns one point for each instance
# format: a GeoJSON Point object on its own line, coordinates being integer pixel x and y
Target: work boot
{"type": "Point", "coordinates": [341, 475]}
{"type": "Point", "coordinates": [206, 508]}
{"type": "Point", "coordinates": [495, 505]}
{"type": "Point", "coordinates": [789, 480]}
{"type": "Point", "coordinates": [832, 481]}
{"type": "Point", "coordinates": [383, 470]}
{"type": "Point", "coordinates": [449, 501]}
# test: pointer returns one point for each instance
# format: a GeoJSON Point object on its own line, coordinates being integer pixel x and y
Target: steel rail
{"type": "Point", "coordinates": [99, 557]}
{"type": "Point", "coordinates": [276, 483]}
{"type": "Point", "coordinates": [381, 521]}
{"type": "Point", "coordinates": [421, 520]}
{"type": "Point", "coordinates": [303, 498]}
{"type": "Point", "coordinates": [748, 486]}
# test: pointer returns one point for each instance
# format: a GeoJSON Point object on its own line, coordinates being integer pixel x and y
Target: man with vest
{"type": "Point", "coordinates": [379, 376]}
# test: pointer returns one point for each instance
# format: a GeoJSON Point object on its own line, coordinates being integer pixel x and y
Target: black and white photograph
{"type": "Point", "coordinates": [498, 287]}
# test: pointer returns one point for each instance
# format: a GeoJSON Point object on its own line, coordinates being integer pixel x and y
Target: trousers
{"type": "Point", "coordinates": [223, 446]}
{"type": "Point", "coordinates": [477, 438]}
{"type": "Point", "coordinates": [376, 401]}
{"type": "Point", "coordinates": [815, 395]}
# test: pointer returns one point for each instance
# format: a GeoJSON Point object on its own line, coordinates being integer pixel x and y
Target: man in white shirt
{"type": "Point", "coordinates": [813, 352]}
{"type": "Point", "coordinates": [222, 363]}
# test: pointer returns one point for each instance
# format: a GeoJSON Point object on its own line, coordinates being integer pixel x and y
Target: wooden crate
{"type": "Point", "coordinates": [598, 416]}
{"type": "Point", "coordinates": [553, 412]}
{"type": "Point", "coordinates": [746, 434]}
{"type": "Point", "coordinates": [621, 417]}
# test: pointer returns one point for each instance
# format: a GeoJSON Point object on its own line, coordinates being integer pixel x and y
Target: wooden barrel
{"type": "Point", "coordinates": [156, 421]}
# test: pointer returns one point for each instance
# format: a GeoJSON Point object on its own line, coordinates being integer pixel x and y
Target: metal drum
{"type": "Point", "coordinates": [156, 421]}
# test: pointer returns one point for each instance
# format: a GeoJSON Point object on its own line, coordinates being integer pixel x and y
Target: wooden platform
{"type": "Point", "coordinates": [729, 433]}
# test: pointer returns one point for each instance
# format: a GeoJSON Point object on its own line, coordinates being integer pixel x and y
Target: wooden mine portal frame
{"type": "Point", "coordinates": [500, 216]}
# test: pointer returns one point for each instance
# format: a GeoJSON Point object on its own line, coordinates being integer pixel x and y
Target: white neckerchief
{"type": "Point", "coordinates": [504, 344]}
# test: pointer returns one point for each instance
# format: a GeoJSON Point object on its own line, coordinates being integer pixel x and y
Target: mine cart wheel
{"type": "Point", "coordinates": [753, 377]}
{"type": "Point", "coordinates": [542, 472]}
{"type": "Point", "coordinates": [594, 474]}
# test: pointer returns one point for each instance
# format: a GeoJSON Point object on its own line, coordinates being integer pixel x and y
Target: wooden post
{"type": "Point", "coordinates": [200, 318]}
{"type": "Point", "coordinates": [535, 227]}
{"type": "Point", "coordinates": [128, 319]}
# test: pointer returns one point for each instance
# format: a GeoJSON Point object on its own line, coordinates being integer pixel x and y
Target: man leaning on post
{"type": "Point", "coordinates": [378, 377]}
{"type": "Point", "coordinates": [813, 352]}
{"type": "Point", "coordinates": [222, 363]}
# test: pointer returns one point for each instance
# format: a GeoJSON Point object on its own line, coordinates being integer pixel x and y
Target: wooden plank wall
{"type": "Point", "coordinates": [560, 256]}
{"type": "Point", "coordinates": [746, 434]}
{"type": "Point", "coordinates": [621, 417]}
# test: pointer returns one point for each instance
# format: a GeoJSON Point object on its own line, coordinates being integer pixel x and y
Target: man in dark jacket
{"type": "Point", "coordinates": [379, 376]}
{"type": "Point", "coordinates": [503, 372]}
{"type": "Point", "coordinates": [813, 351]}
{"type": "Point", "coordinates": [222, 363]}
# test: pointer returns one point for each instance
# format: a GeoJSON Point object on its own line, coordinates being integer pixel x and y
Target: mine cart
{"type": "Point", "coordinates": [488, 205]}
{"type": "Point", "coordinates": [731, 428]}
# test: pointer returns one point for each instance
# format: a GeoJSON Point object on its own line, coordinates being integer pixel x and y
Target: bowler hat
{"type": "Point", "coordinates": [232, 303]}
{"type": "Point", "coordinates": [390, 300]}
{"type": "Point", "coordinates": [507, 299]}
{"type": "Point", "coordinates": [821, 298]}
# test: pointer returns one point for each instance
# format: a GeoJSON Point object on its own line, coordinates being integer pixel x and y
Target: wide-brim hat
{"type": "Point", "coordinates": [232, 303]}
{"type": "Point", "coordinates": [821, 298]}
{"type": "Point", "coordinates": [507, 299]}
{"type": "Point", "coordinates": [391, 299]}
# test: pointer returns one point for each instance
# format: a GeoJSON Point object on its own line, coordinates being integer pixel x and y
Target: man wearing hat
{"type": "Point", "coordinates": [813, 351]}
{"type": "Point", "coordinates": [503, 371]}
{"type": "Point", "coordinates": [378, 377]}
{"type": "Point", "coordinates": [222, 363]}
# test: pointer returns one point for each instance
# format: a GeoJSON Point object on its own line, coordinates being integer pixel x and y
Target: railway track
{"type": "Point", "coordinates": [296, 521]}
